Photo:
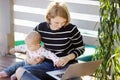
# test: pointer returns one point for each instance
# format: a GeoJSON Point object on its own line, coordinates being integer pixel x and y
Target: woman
{"type": "Point", "coordinates": [59, 36]}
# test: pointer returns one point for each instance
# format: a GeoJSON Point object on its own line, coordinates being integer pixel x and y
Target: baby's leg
{"type": "Point", "coordinates": [3, 74]}
{"type": "Point", "coordinates": [23, 74]}
{"type": "Point", "coordinates": [19, 73]}
{"type": "Point", "coordinates": [13, 77]}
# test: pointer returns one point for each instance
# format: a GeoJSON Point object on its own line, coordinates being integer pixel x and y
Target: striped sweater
{"type": "Point", "coordinates": [62, 42]}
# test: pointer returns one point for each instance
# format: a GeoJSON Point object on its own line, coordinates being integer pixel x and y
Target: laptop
{"type": "Point", "coordinates": [76, 70]}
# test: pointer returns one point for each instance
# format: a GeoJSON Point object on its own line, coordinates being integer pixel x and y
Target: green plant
{"type": "Point", "coordinates": [109, 37]}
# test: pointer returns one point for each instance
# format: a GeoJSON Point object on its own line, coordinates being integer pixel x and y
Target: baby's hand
{"type": "Point", "coordinates": [39, 59]}
{"type": "Point", "coordinates": [12, 51]}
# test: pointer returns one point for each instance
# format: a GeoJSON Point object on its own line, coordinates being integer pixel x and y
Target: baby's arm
{"type": "Point", "coordinates": [20, 48]}
{"type": "Point", "coordinates": [52, 56]}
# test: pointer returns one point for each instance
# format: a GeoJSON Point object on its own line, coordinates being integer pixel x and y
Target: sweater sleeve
{"type": "Point", "coordinates": [77, 42]}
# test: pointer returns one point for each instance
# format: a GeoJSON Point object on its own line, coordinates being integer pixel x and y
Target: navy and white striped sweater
{"type": "Point", "coordinates": [62, 42]}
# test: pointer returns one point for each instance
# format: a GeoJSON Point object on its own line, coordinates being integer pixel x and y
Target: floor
{"type": "Point", "coordinates": [5, 61]}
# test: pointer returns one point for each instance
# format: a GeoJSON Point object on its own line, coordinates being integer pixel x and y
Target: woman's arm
{"type": "Point", "coordinates": [78, 48]}
{"type": "Point", "coordinates": [77, 42]}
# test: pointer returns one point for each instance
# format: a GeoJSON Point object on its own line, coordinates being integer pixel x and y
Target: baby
{"type": "Point", "coordinates": [35, 54]}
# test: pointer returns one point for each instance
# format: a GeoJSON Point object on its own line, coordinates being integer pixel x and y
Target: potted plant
{"type": "Point", "coordinates": [109, 39]}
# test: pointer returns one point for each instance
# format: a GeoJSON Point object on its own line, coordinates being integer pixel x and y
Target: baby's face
{"type": "Point", "coordinates": [33, 46]}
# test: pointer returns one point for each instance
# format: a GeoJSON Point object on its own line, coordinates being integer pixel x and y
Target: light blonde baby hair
{"type": "Point", "coordinates": [58, 9]}
{"type": "Point", "coordinates": [33, 37]}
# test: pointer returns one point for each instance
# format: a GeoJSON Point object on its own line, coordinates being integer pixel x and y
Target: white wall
{"type": "Point", "coordinates": [84, 14]}
{"type": "Point", "coordinates": [28, 13]}
{"type": "Point", "coordinates": [5, 23]}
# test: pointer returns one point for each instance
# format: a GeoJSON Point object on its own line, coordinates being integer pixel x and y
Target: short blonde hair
{"type": "Point", "coordinates": [58, 9]}
{"type": "Point", "coordinates": [33, 37]}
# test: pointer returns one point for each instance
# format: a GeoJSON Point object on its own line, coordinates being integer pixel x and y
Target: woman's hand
{"type": "Point", "coordinates": [62, 61]}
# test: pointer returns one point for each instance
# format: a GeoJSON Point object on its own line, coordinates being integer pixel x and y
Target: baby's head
{"type": "Point", "coordinates": [32, 40]}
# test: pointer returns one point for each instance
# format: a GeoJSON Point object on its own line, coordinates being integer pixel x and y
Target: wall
{"type": "Point", "coordinates": [28, 13]}
{"type": "Point", "coordinates": [84, 13]}
{"type": "Point", "coordinates": [5, 26]}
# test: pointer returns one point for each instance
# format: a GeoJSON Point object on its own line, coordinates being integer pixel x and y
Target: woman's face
{"type": "Point", "coordinates": [57, 23]}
